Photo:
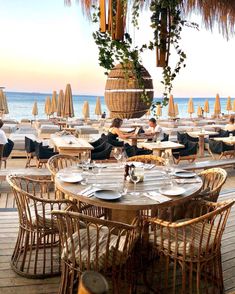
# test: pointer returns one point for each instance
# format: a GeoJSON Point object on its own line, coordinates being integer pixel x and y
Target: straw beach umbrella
{"type": "Point", "coordinates": [171, 108]}
{"type": "Point", "coordinates": [217, 107]}
{"type": "Point", "coordinates": [234, 105]}
{"type": "Point", "coordinates": [2, 104]}
{"type": "Point", "coordinates": [68, 110]}
{"type": "Point", "coordinates": [229, 104]}
{"type": "Point", "coordinates": [60, 104]}
{"type": "Point", "coordinates": [190, 107]}
{"type": "Point", "coordinates": [206, 106]}
{"type": "Point", "coordinates": [35, 109]}
{"type": "Point", "coordinates": [54, 102]}
{"type": "Point", "coordinates": [98, 111]}
{"type": "Point", "coordinates": [47, 108]}
{"type": "Point", "coordinates": [159, 110]}
{"type": "Point", "coordinates": [176, 109]}
{"type": "Point", "coordinates": [6, 110]}
{"type": "Point", "coordinates": [199, 111]}
{"type": "Point", "coordinates": [86, 110]}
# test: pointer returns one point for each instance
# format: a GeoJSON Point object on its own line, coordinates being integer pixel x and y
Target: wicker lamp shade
{"type": "Point", "coordinates": [123, 92]}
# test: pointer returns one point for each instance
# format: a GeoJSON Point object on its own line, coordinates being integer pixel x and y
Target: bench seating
{"type": "Point", "coordinates": [208, 164]}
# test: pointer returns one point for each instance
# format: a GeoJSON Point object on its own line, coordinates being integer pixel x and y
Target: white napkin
{"type": "Point", "coordinates": [187, 181]}
{"type": "Point", "coordinates": [88, 191]}
{"type": "Point", "coordinates": [157, 196]}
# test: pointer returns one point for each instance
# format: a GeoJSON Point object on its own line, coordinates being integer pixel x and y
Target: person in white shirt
{"type": "Point", "coordinates": [230, 126]}
{"type": "Point", "coordinates": [154, 130]}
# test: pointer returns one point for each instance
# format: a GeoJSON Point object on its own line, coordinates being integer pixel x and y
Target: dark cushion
{"type": "Point", "coordinates": [189, 149]}
{"type": "Point", "coordinates": [43, 152]}
{"type": "Point", "coordinates": [29, 145]}
{"type": "Point", "coordinates": [104, 154]}
{"type": "Point", "coordinates": [7, 149]}
{"type": "Point", "coordinates": [98, 142]}
{"type": "Point", "coordinates": [165, 137]}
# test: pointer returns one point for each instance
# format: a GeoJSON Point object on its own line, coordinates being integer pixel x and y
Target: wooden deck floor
{"type": "Point", "coordinates": [11, 283]}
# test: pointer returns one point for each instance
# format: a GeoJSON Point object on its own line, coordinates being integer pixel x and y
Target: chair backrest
{"type": "Point", "coordinates": [60, 161]}
{"type": "Point", "coordinates": [93, 243]}
{"type": "Point", "coordinates": [28, 194]}
{"type": "Point", "coordinates": [29, 145]}
{"type": "Point", "coordinates": [165, 137]}
{"type": "Point", "coordinates": [148, 159]}
{"type": "Point", "coordinates": [198, 237]}
{"type": "Point", "coordinates": [213, 180]}
{"type": "Point", "coordinates": [8, 147]}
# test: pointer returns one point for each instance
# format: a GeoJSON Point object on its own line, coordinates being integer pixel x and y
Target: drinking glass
{"type": "Point", "coordinates": [135, 178]}
{"type": "Point", "coordinates": [117, 154]}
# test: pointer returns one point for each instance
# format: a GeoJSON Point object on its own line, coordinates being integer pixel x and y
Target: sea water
{"type": "Point", "coordinates": [20, 105]}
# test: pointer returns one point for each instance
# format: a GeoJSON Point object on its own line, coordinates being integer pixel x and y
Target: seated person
{"type": "Point", "coordinates": [114, 133]}
{"type": "Point", "coordinates": [230, 126]}
{"type": "Point", "coordinates": [154, 130]}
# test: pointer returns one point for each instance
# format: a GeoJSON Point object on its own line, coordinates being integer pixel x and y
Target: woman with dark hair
{"type": "Point", "coordinates": [114, 133]}
{"type": "Point", "coordinates": [230, 126]}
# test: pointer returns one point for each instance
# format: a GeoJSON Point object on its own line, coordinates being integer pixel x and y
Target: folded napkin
{"type": "Point", "coordinates": [88, 191]}
{"type": "Point", "coordinates": [149, 166]}
{"type": "Point", "coordinates": [187, 181]}
{"type": "Point", "coordinates": [157, 196]}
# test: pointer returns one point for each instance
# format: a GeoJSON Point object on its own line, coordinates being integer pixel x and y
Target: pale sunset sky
{"type": "Point", "coordinates": [45, 45]}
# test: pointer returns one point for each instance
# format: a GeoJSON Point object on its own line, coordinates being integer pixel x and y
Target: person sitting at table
{"type": "Point", "coordinates": [230, 126]}
{"type": "Point", "coordinates": [154, 130]}
{"type": "Point", "coordinates": [114, 133]}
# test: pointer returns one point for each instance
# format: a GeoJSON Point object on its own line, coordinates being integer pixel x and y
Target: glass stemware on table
{"type": "Point", "coordinates": [168, 167]}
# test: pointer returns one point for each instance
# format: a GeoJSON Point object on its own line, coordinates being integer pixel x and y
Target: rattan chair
{"type": "Point", "coordinates": [94, 244]}
{"type": "Point", "coordinates": [37, 249]}
{"type": "Point", "coordinates": [213, 180]}
{"type": "Point", "coordinates": [60, 161]}
{"type": "Point", "coordinates": [148, 159]}
{"type": "Point", "coordinates": [188, 251]}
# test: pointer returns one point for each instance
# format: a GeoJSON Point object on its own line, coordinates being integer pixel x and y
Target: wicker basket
{"type": "Point", "coordinates": [123, 93]}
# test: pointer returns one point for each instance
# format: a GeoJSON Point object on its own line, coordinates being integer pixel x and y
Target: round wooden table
{"type": "Point", "coordinates": [128, 206]}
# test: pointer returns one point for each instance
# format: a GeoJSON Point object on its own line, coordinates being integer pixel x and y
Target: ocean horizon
{"type": "Point", "coordinates": [21, 103]}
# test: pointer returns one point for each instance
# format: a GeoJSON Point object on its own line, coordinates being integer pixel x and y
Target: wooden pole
{"type": "Point", "coordinates": [119, 29]}
{"type": "Point", "coordinates": [93, 283]}
{"type": "Point", "coordinates": [103, 16]}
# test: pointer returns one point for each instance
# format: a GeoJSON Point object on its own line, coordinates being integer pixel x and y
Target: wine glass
{"type": "Point", "coordinates": [117, 154]}
{"type": "Point", "coordinates": [135, 178]}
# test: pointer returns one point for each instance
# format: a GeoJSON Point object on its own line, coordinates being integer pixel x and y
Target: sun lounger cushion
{"type": "Point", "coordinates": [19, 140]}
{"type": "Point", "coordinates": [9, 128]}
{"type": "Point", "coordinates": [49, 129]}
{"type": "Point", "coordinates": [86, 130]}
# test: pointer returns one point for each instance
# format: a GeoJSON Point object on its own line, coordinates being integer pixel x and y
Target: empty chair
{"type": "Point", "coordinates": [148, 159]}
{"type": "Point", "coordinates": [7, 149]}
{"type": "Point", "coordinates": [102, 152]}
{"type": "Point", "coordinates": [43, 153]}
{"type": "Point", "coordinates": [165, 137]}
{"type": "Point", "coordinates": [30, 150]}
{"type": "Point", "coordinates": [37, 249]}
{"type": "Point", "coordinates": [95, 244]}
{"type": "Point", "coordinates": [221, 149]}
{"type": "Point", "coordinates": [189, 152]}
{"type": "Point", "coordinates": [213, 180]}
{"type": "Point", "coordinates": [189, 249]}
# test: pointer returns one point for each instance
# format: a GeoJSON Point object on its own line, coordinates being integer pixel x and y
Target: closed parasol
{"type": "Point", "coordinates": [229, 104]}
{"type": "Point", "coordinates": [199, 111]}
{"type": "Point", "coordinates": [54, 102]}
{"type": "Point", "coordinates": [68, 103]}
{"type": "Point", "coordinates": [85, 110]}
{"type": "Point", "coordinates": [159, 110]}
{"type": "Point", "coordinates": [60, 104]}
{"type": "Point", "coordinates": [176, 109]}
{"type": "Point", "coordinates": [35, 109]}
{"type": "Point", "coordinates": [206, 106]}
{"type": "Point", "coordinates": [217, 107]}
{"type": "Point", "coordinates": [171, 108]}
{"type": "Point", "coordinates": [2, 104]}
{"type": "Point", "coordinates": [190, 107]}
{"type": "Point", "coordinates": [47, 107]}
{"type": "Point", "coordinates": [98, 111]}
{"type": "Point", "coordinates": [6, 110]}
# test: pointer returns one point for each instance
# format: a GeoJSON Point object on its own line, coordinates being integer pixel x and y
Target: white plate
{"type": "Point", "coordinates": [174, 191]}
{"type": "Point", "coordinates": [70, 178]}
{"type": "Point", "coordinates": [107, 194]}
{"type": "Point", "coordinates": [184, 174]}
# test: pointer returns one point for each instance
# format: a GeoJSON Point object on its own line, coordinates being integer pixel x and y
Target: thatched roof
{"type": "Point", "coordinates": [219, 13]}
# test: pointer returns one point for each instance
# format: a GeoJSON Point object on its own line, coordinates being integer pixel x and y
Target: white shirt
{"type": "Point", "coordinates": [157, 130]}
{"type": "Point", "coordinates": [3, 138]}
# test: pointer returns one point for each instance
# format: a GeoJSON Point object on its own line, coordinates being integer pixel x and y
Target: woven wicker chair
{"type": "Point", "coordinates": [213, 180]}
{"type": "Point", "coordinates": [188, 251]}
{"type": "Point", "coordinates": [58, 162]}
{"type": "Point", "coordinates": [37, 249]}
{"type": "Point", "coordinates": [148, 159]}
{"type": "Point", "coordinates": [94, 244]}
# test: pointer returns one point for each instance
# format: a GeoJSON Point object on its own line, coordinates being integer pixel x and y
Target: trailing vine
{"type": "Point", "coordinates": [112, 51]}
